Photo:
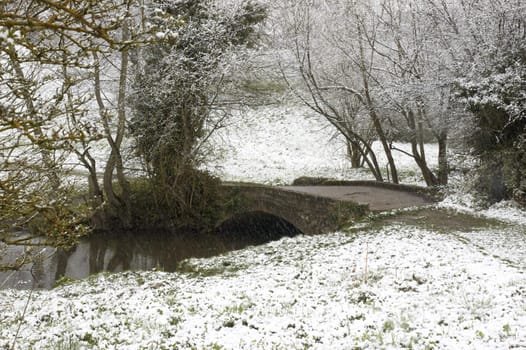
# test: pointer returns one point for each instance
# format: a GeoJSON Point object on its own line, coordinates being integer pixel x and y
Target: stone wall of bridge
{"type": "Point", "coordinates": [310, 214]}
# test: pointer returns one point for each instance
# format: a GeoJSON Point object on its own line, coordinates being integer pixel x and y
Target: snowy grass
{"type": "Point", "coordinates": [275, 145]}
{"type": "Point", "coordinates": [421, 290]}
{"type": "Point", "coordinates": [507, 211]}
{"type": "Point", "coordinates": [403, 280]}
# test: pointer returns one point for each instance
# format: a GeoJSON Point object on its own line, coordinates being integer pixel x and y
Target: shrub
{"type": "Point", "coordinates": [190, 201]}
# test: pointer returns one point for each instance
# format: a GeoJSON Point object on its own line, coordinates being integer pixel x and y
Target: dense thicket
{"type": "Point", "coordinates": [494, 89]}
{"type": "Point", "coordinates": [498, 102]}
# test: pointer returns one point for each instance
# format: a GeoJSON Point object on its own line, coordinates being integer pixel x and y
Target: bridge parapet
{"type": "Point", "coordinates": [309, 213]}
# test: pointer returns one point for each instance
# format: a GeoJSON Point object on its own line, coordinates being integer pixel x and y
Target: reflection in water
{"type": "Point", "coordinates": [117, 252]}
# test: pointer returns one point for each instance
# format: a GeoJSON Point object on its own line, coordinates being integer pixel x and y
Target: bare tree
{"type": "Point", "coordinates": [414, 81]}
{"type": "Point", "coordinates": [396, 68]}
{"type": "Point", "coordinates": [46, 58]}
{"type": "Point", "coordinates": [336, 65]}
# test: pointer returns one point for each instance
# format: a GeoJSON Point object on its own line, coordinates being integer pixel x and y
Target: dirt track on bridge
{"type": "Point", "coordinates": [378, 198]}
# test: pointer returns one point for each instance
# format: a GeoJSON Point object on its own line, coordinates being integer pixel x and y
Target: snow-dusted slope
{"type": "Point", "coordinates": [420, 290]}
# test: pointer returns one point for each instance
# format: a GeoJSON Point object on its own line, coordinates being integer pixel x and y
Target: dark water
{"type": "Point", "coordinates": [142, 251]}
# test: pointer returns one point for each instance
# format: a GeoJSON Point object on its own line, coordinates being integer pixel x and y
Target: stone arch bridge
{"type": "Point", "coordinates": [321, 208]}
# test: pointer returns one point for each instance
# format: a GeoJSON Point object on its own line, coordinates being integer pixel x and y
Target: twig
{"type": "Point", "coordinates": [366, 258]}
{"type": "Point", "coordinates": [23, 313]}
{"type": "Point", "coordinates": [26, 305]}
{"type": "Point", "coordinates": [402, 151]}
{"type": "Point", "coordinates": [7, 279]}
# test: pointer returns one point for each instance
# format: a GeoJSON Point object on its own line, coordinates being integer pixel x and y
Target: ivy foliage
{"type": "Point", "coordinates": [495, 93]}
{"type": "Point", "coordinates": [177, 102]}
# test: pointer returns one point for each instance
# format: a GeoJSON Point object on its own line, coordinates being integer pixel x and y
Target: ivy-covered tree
{"type": "Point", "coordinates": [177, 99]}
{"type": "Point", "coordinates": [494, 91]}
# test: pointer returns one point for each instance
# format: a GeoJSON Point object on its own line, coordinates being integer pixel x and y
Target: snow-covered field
{"type": "Point", "coordinates": [276, 145]}
{"type": "Point", "coordinates": [381, 284]}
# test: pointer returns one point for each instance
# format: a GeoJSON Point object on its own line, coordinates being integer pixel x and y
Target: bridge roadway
{"type": "Point", "coordinates": [320, 208]}
{"type": "Point", "coordinates": [377, 198]}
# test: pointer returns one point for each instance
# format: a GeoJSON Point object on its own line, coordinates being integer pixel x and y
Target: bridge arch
{"type": "Point", "coordinates": [257, 225]}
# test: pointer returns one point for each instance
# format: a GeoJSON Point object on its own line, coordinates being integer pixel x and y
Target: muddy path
{"type": "Point", "coordinates": [493, 238]}
{"type": "Point", "coordinates": [437, 219]}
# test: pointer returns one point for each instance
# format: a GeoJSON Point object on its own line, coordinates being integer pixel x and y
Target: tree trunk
{"type": "Point", "coordinates": [368, 101]}
{"type": "Point", "coordinates": [120, 203]}
{"type": "Point", "coordinates": [121, 107]}
{"type": "Point", "coordinates": [38, 139]}
{"type": "Point", "coordinates": [354, 155]}
{"type": "Point", "coordinates": [366, 151]}
{"type": "Point", "coordinates": [443, 167]}
{"type": "Point", "coordinates": [429, 177]}
{"type": "Point", "coordinates": [383, 139]}
{"type": "Point", "coordinates": [369, 157]}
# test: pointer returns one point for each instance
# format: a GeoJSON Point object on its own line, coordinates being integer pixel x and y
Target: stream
{"type": "Point", "coordinates": [116, 252]}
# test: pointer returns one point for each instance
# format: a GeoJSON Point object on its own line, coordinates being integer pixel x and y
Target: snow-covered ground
{"type": "Point", "coordinates": [275, 145]}
{"type": "Point", "coordinates": [420, 290]}
{"type": "Point", "coordinates": [377, 285]}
